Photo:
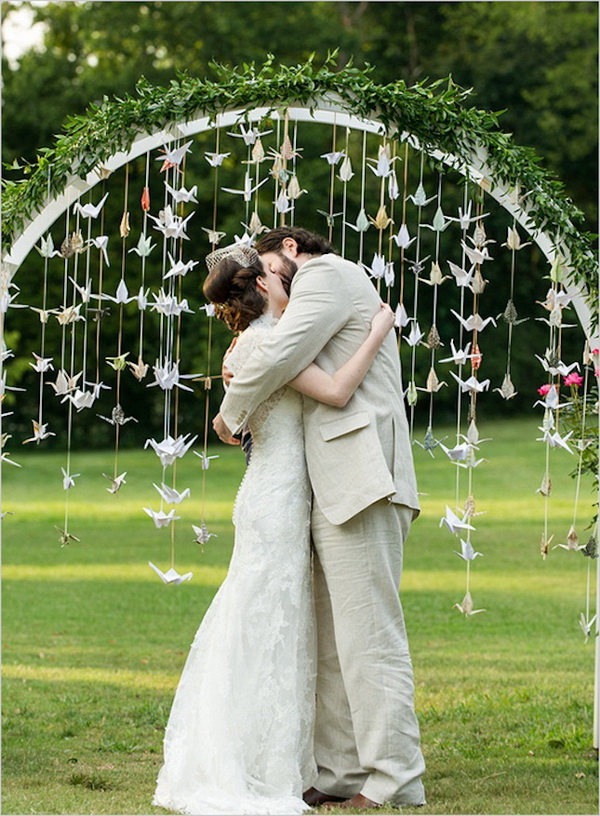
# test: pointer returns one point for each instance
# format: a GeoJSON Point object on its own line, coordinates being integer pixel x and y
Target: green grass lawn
{"type": "Point", "coordinates": [94, 642]}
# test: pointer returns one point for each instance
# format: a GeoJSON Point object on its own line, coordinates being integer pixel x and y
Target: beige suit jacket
{"type": "Point", "coordinates": [358, 454]}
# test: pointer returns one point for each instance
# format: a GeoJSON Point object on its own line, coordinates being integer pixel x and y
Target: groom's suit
{"type": "Point", "coordinates": [361, 470]}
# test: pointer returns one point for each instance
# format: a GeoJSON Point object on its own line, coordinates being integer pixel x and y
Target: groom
{"type": "Point", "coordinates": [361, 471]}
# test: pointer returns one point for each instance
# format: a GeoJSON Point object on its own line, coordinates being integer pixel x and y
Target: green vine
{"type": "Point", "coordinates": [435, 112]}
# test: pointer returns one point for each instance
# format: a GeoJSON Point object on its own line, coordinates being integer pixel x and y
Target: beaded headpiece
{"type": "Point", "coordinates": [242, 253]}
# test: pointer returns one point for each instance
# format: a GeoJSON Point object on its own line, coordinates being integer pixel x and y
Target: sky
{"type": "Point", "coordinates": [19, 33]}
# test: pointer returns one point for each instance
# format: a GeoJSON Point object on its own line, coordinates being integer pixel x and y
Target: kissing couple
{"type": "Point", "coordinates": [298, 689]}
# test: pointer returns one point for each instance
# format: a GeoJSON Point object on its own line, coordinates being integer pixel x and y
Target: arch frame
{"type": "Point", "coordinates": [326, 110]}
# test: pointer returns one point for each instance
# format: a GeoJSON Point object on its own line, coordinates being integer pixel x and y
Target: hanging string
{"type": "Point", "coordinates": [402, 246]}
{"type": "Point", "coordinates": [363, 171]}
{"type": "Point", "coordinates": [413, 356]}
{"type": "Point", "coordinates": [344, 197]}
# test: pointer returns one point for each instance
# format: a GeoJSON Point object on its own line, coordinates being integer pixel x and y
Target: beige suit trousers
{"type": "Point", "coordinates": [367, 735]}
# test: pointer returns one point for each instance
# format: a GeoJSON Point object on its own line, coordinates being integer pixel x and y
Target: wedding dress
{"type": "Point", "coordinates": [240, 734]}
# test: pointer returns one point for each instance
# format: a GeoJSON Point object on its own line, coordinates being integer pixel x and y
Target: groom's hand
{"type": "Point", "coordinates": [223, 432]}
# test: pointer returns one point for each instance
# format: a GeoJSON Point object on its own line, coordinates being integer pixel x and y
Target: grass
{"type": "Point", "coordinates": [94, 642]}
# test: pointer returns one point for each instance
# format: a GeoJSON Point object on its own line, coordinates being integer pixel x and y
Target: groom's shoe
{"type": "Point", "coordinates": [314, 798]}
{"type": "Point", "coordinates": [358, 802]}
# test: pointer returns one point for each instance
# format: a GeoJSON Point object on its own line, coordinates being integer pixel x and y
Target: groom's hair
{"type": "Point", "coordinates": [307, 241]}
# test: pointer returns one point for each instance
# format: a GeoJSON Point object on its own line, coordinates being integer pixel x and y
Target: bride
{"type": "Point", "coordinates": [239, 739]}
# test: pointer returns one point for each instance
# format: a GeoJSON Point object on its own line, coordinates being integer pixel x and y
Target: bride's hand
{"type": "Point", "coordinates": [383, 321]}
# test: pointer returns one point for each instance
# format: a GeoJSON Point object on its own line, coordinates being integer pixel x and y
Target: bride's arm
{"type": "Point", "coordinates": [337, 389]}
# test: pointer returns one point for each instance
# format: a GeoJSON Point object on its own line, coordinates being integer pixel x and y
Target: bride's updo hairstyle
{"type": "Point", "coordinates": [231, 287]}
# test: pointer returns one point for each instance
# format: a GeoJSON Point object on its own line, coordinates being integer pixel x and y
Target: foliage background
{"type": "Point", "coordinates": [535, 60]}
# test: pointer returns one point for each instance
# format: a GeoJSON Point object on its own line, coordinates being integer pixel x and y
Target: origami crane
{"type": "Point", "coordinates": [377, 268]}
{"type": "Point", "coordinates": [586, 625]}
{"type": "Point", "coordinates": [417, 267]}
{"type": "Point", "coordinates": [249, 136]}
{"type": "Point", "coordinates": [545, 545]}
{"type": "Point", "coordinates": [116, 482]}
{"type": "Point", "coordinates": [572, 541]}
{"type": "Point", "coordinates": [42, 364]}
{"type": "Point", "coordinates": [202, 536]}
{"type": "Point", "coordinates": [167, 376]}
{"type": "Point", "coordinates": [171, 226]}
{"type": "Point", "coordinates": [393, 189]}
{"type": "Point", "coordinates": [46, 248]}
{"type": "Point", "coordinates": [170, 495]}
{"type": "Point", "coordinates": [183, 195]}
{"type": "Point", "coordinates": [39, 432]}
{"type": "Point", "coordinates": [551, 400]}
{"type": "Point", "coordinates": [439, 222]}
{"type": "Point", "coordinates": [66, 537]}
{"type": "Point", "coordinates": [84, 291]}
{"type": "Point", "coordinates": [415, 335]}
{"type": "Point", "coordinates": [173, 158]}
{"type": "Point", "coordinates": [419, 199]}
{"type": "Point", "coordinates": [467, 552]}
{"type": "Point", "coordinates": [346, 172]}
{"type": "Point", "coordinates": [432, 384]}
{"type": "Point", "coordinates": [171, 576]}
{"type": "Point", "coordinates": [435, 276]}
{"type": "Point", "coordinates": [170, 449]}
{"type": "Point", "coordinates": [510, 314]}
{"type": "Point", "coordinates": [546, 486]}
{"type": "Point", "coordinates": [382, 220]}
{"type": "Point", "coordinates": [139, 369]}
{"type": "Point", "coordinates": [329, 217]}
{"type": "Point", "coordinates": [333, 157]}
{"type": "Point", "coordinates": [463, 279]}
{"type": "Point", "coordinates": [208, 309]}
{"type": "Point", "coordinates": [472, 435]}
{"type": "Point", "coordinates": [474, 322]}
{"type": "Point", "coordinates": [384, 164]}
{"type": "Point", "coordinates": [160, 518]}
{"type": "Point", "coordinates": [90, 210]}
{"type": "Point", "coordinates": [591, 548]}
{"type": "Point", "coordinates": [555, 366]}
{"type": "Point", "coordinates": [454, 523]}
{"type": "Point", "coordinates": [464, 218]}
{"type": "Point", "coordinates": [476, 255]}
{"type": "Point", "coordinates": [179, 269]}
{"type": "Point", "coordinates": [80, 399]}
{"type": "Point", "coordinates": [429, 442]}
{"type": "Point", "coordinates": [401, 317]}
{"type": "Point", "coordinates": [142, 298]}
{"type": "Point", "coordinates": [169, 305]}
{"type": "Point", "coordinates": [44, 314]}
{"type": "Point", "coordinates": [403, 239]}
{"type": "Point", "coordinates": [466, 607]}
{"type": "Point", "coordinates": [255, 227]}
{"type": "Point", "coordinates": [214, 236]}
{"type": "Point", "coordinates": [69, 481]}
{"type": "Point", "coordinates": [117, 416]}
{"type": "Point", "coordinates": [472, 385]}
{"type": "Point", "coordinates": [64, 383]}
{"type": "Point", "coordinates": [282, 203]}
{"type": "Point", "coordinates": [72, 244]}
{"type": "Point", "coordinates": [69, 314]}
{"type": "Point", "coordinates": [204, 459]}
{"type": "Point", "coordinates": [101, 243]}
{"type": "Point", "coordinates": [458, 356]}
{"type": "Point", "coordinates": [458, 453]}
{"type": "Point", "coordinates": [5, 457]}
{"type": "Point", "coordinates": [507, 390]}
{"type": "Point", "coordinates": [555, 298]}
{"type": "Point", "coordinates": [362, 222]}
{"type": "Point", "coordinates": [215, 159]}
{"type": "Point", "coordinates": [144, 246]}
{"type": "Point", "coordinates": [118, 363]}
{"type": "Point", "coordinates": [248, 189]}
{"type": "Point", "coordinates": [555, 440]}
{"type": "Point", "coordinates": [513, 240]}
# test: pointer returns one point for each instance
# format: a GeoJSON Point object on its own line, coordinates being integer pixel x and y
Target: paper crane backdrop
{"type": "Point", "coordinates": [444, 212]}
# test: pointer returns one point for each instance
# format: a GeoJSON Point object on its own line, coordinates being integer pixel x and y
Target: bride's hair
{"type": "Point", "coordinates": [232, 289]}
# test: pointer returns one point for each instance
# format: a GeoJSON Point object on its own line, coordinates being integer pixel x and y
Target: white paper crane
{"type": "Point", "coordinates": [160, 518]}
{"type": "Point", "coordinates": [467, 552]}
{"type": "Point", "coordinates": [183, 195]}
{"type": "Point", "coordinates": [171, 576]}
{"type": "Point", "coordinates": [454, 523]}
{"type": "Point", "coordinates": [248, 189]}
{"type": "Point", "coordinates": [170, 449]}
{"type": "Point", "coordinates": [170, 495]}
{"type": "Point", "coordinates": [89, 210]}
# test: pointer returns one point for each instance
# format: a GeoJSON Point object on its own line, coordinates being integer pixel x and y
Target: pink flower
{"type": "Point", "coordinates": [543, 390]}
{"type": "Point", "coordinates": [595, 351]}
{"type": "Point", "coordinates": [573, 379]}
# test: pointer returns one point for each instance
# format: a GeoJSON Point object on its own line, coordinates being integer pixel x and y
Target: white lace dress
{"type": "Point", "coordinates": [240, 734]}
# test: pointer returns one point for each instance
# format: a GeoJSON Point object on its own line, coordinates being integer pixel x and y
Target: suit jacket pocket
{"type": "Point", "coordinates": [344, 425]}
